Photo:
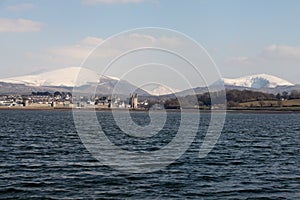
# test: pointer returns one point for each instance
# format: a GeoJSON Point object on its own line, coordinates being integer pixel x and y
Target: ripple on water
{"type": "Point", "coordinates": [256, 157]}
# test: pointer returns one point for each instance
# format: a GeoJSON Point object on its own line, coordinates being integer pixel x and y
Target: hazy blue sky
{"type": "Point", "coordinates": [243, 37]}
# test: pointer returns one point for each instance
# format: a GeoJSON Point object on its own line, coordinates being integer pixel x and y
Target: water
{"type": "Point", "coordinates": [256, 157]}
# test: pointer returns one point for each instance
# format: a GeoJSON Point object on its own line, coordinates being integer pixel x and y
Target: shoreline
{"type": "Point", "coordinates": [285, 110]}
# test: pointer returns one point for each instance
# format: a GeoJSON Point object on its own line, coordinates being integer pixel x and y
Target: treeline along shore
{"type": "Point", "coordinates": [237, 100]}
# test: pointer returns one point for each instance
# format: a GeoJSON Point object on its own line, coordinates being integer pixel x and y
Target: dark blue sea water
{"type": "Point", "coordinates": [256, 157]}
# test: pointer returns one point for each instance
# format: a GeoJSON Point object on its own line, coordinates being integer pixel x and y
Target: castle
{"type": "Point", "coordinates": [133, 101]}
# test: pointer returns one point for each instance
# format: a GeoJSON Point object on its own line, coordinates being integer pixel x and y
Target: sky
{"type": "Point", "coordinates": [242, 37]}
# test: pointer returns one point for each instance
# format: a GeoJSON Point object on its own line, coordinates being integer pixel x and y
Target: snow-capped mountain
{"type": "Point", "coordinates": [161, 90]}
{"type": "Point", "coordinates": [257, 81]}
{"type": "Point", "coordinates": [66, 77]}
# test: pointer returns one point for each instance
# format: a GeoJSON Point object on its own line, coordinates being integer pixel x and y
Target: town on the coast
{"type": "Point", "coordinates": [235, 100]}
{"type": "Point", "coordinates": [64, 100]}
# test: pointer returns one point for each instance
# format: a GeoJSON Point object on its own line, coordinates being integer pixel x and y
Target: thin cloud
{"type": "Point", "coordinates": [20, 7]}
{"type": "Point", "coordinates": [19, 25]}
{"type": "Point", "coordinates": [91, 41]}
{"type": "Point", "coordinates": [82, 48]}
{"type": "Point", "coordinates": [93, 2]}
{"type": "Point", "coordinates": [75, 53]}
{"type": "Point", "coordinates": [273, 59]}
{"type": "Point", "coordinates": [281, 52]}
{"type": "Point", "coordinates": [240, 59]}
{"type": "Point", "coordinates": [270, 53]}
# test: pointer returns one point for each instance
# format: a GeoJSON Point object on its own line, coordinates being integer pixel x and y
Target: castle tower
{"type": "Point", "coordinates": [133, 101]}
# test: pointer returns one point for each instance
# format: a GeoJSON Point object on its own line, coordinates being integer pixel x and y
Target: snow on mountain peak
{"type": "Point", "coordinates": [161, 90]}
{"type": "Point", "coordinates": [257, 81]}
{"type": "Point", "coordinates": [67, 77]}
{"type": "Point", "coordinates": [111, 77]}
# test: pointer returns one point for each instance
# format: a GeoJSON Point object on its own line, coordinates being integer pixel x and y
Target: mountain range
{"type": "Point", "coordinates": [66, 79]}
{"type": "Point", "coordinates": [257, 81]}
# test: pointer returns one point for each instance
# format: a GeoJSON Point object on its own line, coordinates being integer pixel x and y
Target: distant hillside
{"type": "Point", "coordinates": [66, 77]}
{"type": "Point", "coordinates": [260, 82]}
{"type": "Point", "coordinates": [65, 80]}
{"type": "Point", "coordinates": [257, 81]}
{"type": "Point", "coordinates": [10, 88]}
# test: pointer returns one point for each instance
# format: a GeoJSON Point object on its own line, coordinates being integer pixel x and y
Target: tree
{"type": "Point", "coordinates": [69, 94]}
{"type": "Point", "coordinates": [294, 95]}
{"type": "Point", "coordinates": [278, 96]}
{"type": "Point", "coordinates": [232, 104]}
{"type": "Point", "coordinates": [279, 103]}
{"type": "Point", "coordinates": [261, 103]}
{"type": "Point", "coordinates": [285, 95]}
{"type": "Point", "coordinates": [57, 94]}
